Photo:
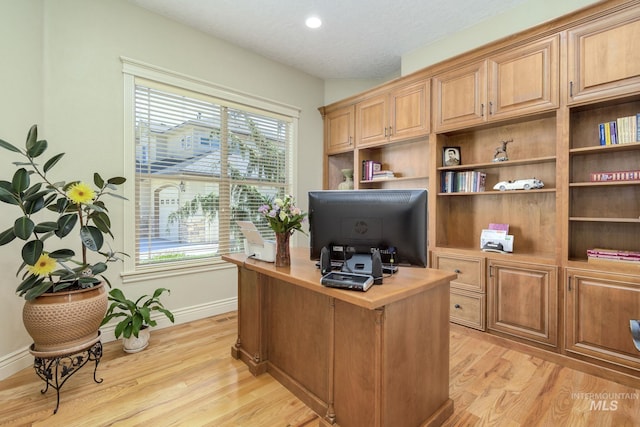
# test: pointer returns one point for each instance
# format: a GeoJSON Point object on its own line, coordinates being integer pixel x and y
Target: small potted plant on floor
{"type": "Point", "coordinates": [134, 327]}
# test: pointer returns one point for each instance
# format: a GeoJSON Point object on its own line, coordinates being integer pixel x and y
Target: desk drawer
{"type": "Point", "coordinates": [467, 308]}
{"type": "Point", "coordinates": [470, 270]}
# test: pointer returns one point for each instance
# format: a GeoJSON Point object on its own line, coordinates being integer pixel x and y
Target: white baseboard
{"type": "Point", "coordinates": [20, 359]}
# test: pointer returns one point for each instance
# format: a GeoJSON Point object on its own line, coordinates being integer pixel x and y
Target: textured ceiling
{"type": "Point", "coordinates": [359, 39]}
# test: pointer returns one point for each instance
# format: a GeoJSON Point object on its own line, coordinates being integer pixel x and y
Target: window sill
{"type": "Point", "coordinates": [176, 269]}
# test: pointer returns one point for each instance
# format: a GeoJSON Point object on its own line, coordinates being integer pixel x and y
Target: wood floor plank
{"type": "Point", "coordinates": [187, 377]}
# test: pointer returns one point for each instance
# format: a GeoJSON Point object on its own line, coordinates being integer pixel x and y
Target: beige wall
{"type": "Point", "coordinates": [61, 69]}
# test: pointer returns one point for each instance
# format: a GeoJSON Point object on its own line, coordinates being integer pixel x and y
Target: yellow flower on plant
{"type": "Point", "coordinates": [81, 193]}
{"type": "Point", "coordinates": [44, 266]}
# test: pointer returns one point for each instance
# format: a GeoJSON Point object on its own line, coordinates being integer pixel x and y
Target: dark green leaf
{"type": "Point", "coordinates": [159, 292]}
{"type": "Point", "coordinates": [23, 227]}
{"type": "Point", "coordinates": [38, 148]}
{"type": "Point", "coordinates": [40, 288]}
{"type": "Point", "coordinates": [33, 206]}
{"type": "Point", "coordinates": [32, 136]}
{"type": "Point", "coordinates": [116, 295]}
{"type": "Point", "coordinates": [120, 329]}
{"type": "Point", "coordinates": [8, 146]}
{"type": "Point", "coordinates": [46, 226]}
{"type": "Point", "coordinates": [97, 180]}
{"type": "Point", "coordinates": [7, 236]}
{"type": "Point", "coordinates": [91, 237]}
{"type": "Point", "coordinates": [62, 254]}
{"type": "Point", "coordinates": [8, 196]}
{"type": "Point", "coordinates": [31, 251]}
{"type": "Point", "coordinates": [33, 189]}
{"type": "Point", "coordinates": [61, 204]}
{"type": "Point", "coordinates": [167, 313]}
{"type": "Point", "coordinates": [20, 180]}
{"type": "Point", "coordinates": [66, 224]}
{"type": "Point", "coordinates": [49, 199]}
{"type": "Point", "coordinates": [117, 180]}
{"type": "Point", "coordinates": [102, 221]}
{"type": "Point", "coordinates": [51, 162]}
{"type": "Point", "coordinates": [28, 283]}
{"type": "Point", "coordinates": [98, 268]}
{"type": "Point", "coordinates": [137, 323]}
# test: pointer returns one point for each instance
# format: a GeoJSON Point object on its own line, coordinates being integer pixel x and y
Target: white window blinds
{"type": "Point", "coordinates": [201, 165]}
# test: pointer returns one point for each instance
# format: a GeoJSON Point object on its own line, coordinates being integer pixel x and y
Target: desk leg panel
{"type": "Point", "coordinates": [250, 346]}
{"type": "Point", "coordinates": [299, 338]}
{"type": "Point", "coordinates": [357, 366]}
{"type": "Point", "coordinates": [416, 360]}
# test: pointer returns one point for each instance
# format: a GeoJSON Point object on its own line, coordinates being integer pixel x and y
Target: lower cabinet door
{"type": "Point", "coordinates": [599, 307]}
{"type": "Point", "coordinates": [522, 301]}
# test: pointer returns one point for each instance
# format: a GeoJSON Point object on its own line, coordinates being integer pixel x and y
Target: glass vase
{"type": "Point", "coordinates": [283, 254]}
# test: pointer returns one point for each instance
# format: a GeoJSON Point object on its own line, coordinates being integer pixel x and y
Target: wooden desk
{"type": "Point", "coordinates": [375, 358]}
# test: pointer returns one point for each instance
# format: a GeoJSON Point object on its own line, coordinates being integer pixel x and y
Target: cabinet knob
{"type": "Point", "coordinates": [457, 271]}
{"type": "Point", "coordinates": [457, 306]}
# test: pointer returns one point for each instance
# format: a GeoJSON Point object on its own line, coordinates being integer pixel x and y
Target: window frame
{"type": "Point", "coordinates": [135, 71]}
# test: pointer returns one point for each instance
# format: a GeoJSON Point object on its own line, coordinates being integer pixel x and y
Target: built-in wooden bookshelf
{"type": "Point", "coordinates": [546, 90]}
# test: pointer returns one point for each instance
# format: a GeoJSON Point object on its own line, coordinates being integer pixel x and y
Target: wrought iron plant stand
{"type": "Point", "coordinates": [56, 368]}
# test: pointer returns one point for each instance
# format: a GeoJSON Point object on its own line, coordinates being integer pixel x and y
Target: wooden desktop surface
{"type": "Point", "coordinates": [303, 272]}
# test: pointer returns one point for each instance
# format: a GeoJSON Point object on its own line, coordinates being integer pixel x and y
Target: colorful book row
{"type": "Point", "coordinates": [633, 175]}
{"type": "Point", "coordinates": [623, 130]}
{"type": "Point", "coordinates": [463, 182]}
{"type": "Point", "coordinates": [613, 254]}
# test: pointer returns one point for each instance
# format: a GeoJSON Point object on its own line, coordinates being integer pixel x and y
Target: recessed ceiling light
{"type": "Point", "coordinates": [313, 22]}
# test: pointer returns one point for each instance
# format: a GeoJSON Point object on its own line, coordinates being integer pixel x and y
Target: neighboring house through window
{"type": "Point", "coordinates": [204, 158]}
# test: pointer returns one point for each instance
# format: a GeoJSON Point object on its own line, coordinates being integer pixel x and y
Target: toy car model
{"type": "Point", "coordinates": [519, 184]}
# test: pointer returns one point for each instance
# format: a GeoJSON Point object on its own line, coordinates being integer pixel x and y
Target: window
{"type": "Point", "coordinates": [202, 162]}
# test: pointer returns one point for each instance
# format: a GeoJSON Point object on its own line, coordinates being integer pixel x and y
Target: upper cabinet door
{"type": "Point", "coordinates": [339, 130]}
{"type": "Point", "coordinates": [410, 111]}
{"type": "Point", "coordinates": [604, 58]}
{"type": "Point", "coordinates": [524, 79]}
{"type": "Point", "coordinates": [460, 96]}
{"type": "Point", "coordinates": [372, 120]}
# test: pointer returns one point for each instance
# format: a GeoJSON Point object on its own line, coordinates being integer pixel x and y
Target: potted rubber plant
{"type": "Point", "coordinates": [62, 224]}
{"type": "Point", "coordinates": [135, 317]}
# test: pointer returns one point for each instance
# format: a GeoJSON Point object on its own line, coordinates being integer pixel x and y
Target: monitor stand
{"type": "Point", "coordinates": [359, 264]}
{"type": "Point", "coordinates": [368, 264]}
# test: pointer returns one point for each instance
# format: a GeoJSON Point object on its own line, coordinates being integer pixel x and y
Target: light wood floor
{"type": "Point", "coordinates": [186, 377]}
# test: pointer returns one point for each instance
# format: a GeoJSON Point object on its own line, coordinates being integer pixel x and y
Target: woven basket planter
{"type": "Point", "coordinates": [64, 322]}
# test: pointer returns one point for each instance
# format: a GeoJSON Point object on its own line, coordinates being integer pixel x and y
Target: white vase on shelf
{"type": "Point", "coordinates": [347, 184]}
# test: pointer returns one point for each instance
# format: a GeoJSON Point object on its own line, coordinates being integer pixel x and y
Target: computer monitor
{"type": "Point", "coordinates": [359, 221]}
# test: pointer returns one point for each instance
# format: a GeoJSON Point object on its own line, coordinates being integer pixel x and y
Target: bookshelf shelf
{"type": "Point", "coordinates": [509, 163]}
{"type": "Point", "coordinates": [498, 193]}
{"type": "Point", "coordinates": [604, 219]}
{"type": "Point", "coordinates": [397, 178]}
{"type": "Point", "coordinates": [604, 148]}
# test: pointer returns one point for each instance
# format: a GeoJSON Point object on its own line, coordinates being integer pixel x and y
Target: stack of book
{"type": "Point", "coordinates": [623, 130]}
{"type": "Point", "coordinates": [463, 182]}
{"type": "Point", "coordinates": [382, 174]}
{"type": "Point", "coordinates": [613, 255]}
{"type": "Point", "coordinates": [368, 168]}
